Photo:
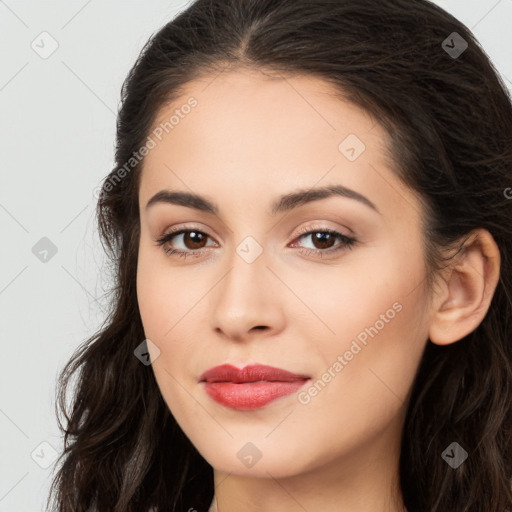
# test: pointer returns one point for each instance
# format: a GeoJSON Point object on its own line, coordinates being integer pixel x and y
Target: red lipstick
{"type": "Point", "coordinates": [251, 387]}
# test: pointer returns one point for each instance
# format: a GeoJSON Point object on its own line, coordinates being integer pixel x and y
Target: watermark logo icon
{"type": "Point", "coordinates": [249, 249]}
{"type": "Point", "coordinates": [45, 45]}
{"type": "Point", "coordinates": [454, 455]}
{"type": "Point", "coordinates": [44, 250]}
{"type": "Point", "coordinates": [352, 147]}
{"type": "Point", "coordinates": [147, 352]}
{"type": "Point", "coordinates": [249, 455]}
{"type": "Point", "coordinates": [454, 45]}
{"type": "Point", "coordinates": [44, 455]}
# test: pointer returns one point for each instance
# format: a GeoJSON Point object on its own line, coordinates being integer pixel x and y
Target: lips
{"type": "Point", "coordinates": [251, 387]}
{"type": "Point", "coordinates": [253, 373]}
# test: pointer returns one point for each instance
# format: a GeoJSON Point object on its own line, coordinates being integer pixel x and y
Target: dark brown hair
{"type": "Point", "coordinates": [449, 120]}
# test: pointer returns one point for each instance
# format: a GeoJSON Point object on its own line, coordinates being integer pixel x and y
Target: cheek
{"type": "Point", "coordinates": [376, 316]}
{"type": "Point", "coordinates": [149, 295]}
{"type": "Point", "coordinates": [363, 385]}
{"type": "Point", "coordinates": [164, 294]}
{"type": "Point", "coordinates": [366, 284]}
{"type": "Point", "coordinates": [169, 300]}
{"type": "Point", "coordinates": [164, 304]}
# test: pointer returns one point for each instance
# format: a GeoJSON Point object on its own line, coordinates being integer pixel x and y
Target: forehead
{"type": "Point", "coordinates": [254, 109]}
{"type": "Point", "coordinates": [258, 135]}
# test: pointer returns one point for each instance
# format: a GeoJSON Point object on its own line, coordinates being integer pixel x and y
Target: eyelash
{"type": "Point", "coordinates": [347, 242]}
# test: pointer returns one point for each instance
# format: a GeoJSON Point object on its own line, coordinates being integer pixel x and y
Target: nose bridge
{"type": "Point", "coordinates": [248, 269]}
{"type": "Point", "coordinates": [245, 297]}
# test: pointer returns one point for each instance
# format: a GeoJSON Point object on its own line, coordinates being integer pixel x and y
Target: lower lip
{"type": "Point", "coordinates": [246, 396]}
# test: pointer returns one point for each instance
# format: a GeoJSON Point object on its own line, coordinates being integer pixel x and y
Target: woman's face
{"type": "Point", "coordinates": [251, 286]}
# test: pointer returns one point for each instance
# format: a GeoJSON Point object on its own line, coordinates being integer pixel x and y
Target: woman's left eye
{"type": "Point", "coordinates": [324, 237]}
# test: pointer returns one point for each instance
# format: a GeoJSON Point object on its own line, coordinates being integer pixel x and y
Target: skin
{"type": "Point", "coordinates": [250, 139]}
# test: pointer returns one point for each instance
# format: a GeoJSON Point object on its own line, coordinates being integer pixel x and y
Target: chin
{"type": "Point", "coordinates": [255, 458]}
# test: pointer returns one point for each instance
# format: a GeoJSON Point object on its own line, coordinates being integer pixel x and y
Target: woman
{"type": "Point", "coordinates": [310, 219]}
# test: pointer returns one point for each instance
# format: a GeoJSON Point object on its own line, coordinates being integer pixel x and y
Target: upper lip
{"type": "Point", "coordinates": [251, 373]}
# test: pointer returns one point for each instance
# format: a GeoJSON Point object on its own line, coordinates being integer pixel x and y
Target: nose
{"type": "Point", "coordinates": [248, 301]}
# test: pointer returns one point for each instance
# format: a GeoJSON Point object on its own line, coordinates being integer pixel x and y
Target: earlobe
{"type": "Point", "coordinates": [466, 290]}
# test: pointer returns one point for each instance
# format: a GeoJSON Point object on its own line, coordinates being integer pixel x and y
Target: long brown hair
{"type": "Point", "coordinates": [449, 119]}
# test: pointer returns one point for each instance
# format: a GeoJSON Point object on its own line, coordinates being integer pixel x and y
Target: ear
{"type": "Point", "coordinates": [466, 289]}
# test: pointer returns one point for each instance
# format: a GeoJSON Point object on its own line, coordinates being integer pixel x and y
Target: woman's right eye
{"type": "Point", "coordinates": [189, 237]}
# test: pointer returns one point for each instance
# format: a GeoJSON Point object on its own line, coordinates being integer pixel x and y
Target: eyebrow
{"type": "Point", "coordinates": [284, 203]}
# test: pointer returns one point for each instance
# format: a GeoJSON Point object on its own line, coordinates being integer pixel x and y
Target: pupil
{"type": "Point", "coordinates": [323, 238]}
{"type": "Point", "coordinates": [193, 234]}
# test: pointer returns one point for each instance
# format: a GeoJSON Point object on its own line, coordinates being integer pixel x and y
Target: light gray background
{"type": "Point", "coordinates": [57, 128]}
